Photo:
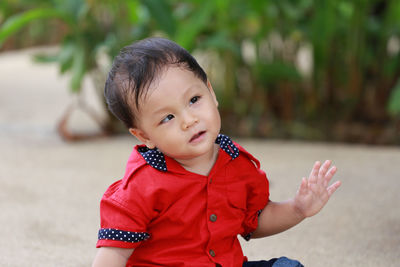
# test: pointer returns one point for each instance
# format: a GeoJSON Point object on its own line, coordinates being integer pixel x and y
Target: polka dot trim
{"type": "Point", "coordinates": [155, 158]}
{"type": "Point", "coordinates": [227, 145]}
{"type": "Point", "coordinates": [119, 235]}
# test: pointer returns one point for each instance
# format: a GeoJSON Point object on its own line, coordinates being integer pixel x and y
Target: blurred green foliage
{"type": "Point", "coordinates": [322, 70]}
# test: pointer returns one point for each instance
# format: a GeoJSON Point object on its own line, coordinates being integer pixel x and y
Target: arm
{"type": "Point", "coordinates": [112, 257]}
{"type": "Point", "coordinates": [311, 197]}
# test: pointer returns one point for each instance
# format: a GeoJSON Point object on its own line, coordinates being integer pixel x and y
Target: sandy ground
{"type": "Point", "coordinates": [50, 190]}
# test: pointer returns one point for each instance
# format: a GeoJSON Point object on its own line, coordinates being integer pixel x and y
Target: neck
{"type": "Point", "coordinates": [203, 164]}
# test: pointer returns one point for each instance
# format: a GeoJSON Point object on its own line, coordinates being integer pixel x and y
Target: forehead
{"type": "Point", "coordinates": [172, 82]}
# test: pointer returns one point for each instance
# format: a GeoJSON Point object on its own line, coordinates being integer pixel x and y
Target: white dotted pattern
{"type": "Point", "coordinates": [119, 235]}
{"type": "Point", "coordinates": [227, 145]}
{"type": "Point", "coordinates": [155, 158]}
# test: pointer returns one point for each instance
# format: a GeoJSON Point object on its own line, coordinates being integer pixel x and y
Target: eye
{"type": "Point", "coordinates": [167, 118]}
{"type": "Point", "coordinates": [194, 99]}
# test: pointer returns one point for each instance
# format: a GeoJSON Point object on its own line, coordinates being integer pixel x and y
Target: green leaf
{"type": "Point", "coordinates": [43, 58]}
{"type": "Point", "coordinates": [276, 71]}
{"type": "Point", "coordinates": [188, 31]}
{"type": "Point", "coordinates": [76, 9]}
{"type": "Point", "coordinates": [66, 56]}
{"type": "Point", "coordinates": [17, 22]}
{"type": "Point", "coordinates": [78, 69]}
{"type": "Point", "coordinates": [220, 41]}
{"type": "Point", "coordinates": [394, 100]}
{"type": "Point", "coordinates": [322, 31]}
{"type": "Point", "coordinates": [133, 9]}
{"type": "Point", "coordinates": [161, 12]}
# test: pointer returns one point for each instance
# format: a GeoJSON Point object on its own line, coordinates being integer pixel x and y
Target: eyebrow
{"type": "Point", "coordinates": [187, 91]}
{"type": "Point", "coordinates": [159, 111]}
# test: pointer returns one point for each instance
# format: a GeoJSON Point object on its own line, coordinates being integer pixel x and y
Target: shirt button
{"type": "Point", "coordinates": [213, 217]}
{"type": "Point", "coordinates": [212, 253]}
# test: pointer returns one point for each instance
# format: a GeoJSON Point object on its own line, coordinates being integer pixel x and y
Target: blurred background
{"type": "Point", "coordinates": [297, 81]}
{"type": "Point", "coordinates": [305, 70]}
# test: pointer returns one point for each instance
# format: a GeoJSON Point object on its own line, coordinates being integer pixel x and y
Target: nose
{"type": "Point", "coordinates": [188, 120]}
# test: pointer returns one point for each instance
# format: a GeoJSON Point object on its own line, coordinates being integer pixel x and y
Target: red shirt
{"type": "Point", "coordinates": [173, 217]}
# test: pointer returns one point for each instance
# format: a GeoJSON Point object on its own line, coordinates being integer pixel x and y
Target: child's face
{"type": "Point", "coordinates": [179, 115]}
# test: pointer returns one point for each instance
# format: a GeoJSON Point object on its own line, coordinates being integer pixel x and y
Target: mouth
{"type": "Point", "coordinates": [197, 136]}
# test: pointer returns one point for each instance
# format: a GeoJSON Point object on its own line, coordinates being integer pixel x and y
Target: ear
{"type": "Point", "coordinates": [142, 137]}
{"type": "Point", "coordinates": [212, 92]}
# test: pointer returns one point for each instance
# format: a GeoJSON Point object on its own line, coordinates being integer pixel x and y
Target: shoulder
{"type": "Point", "coordinates": [245, 156]}
{"type": "Point", "coordinates": [138, 179]}
{"type": "Point", "coordinates": [134, 195]}
{"type": "Point", "coordinates": [142, 183]}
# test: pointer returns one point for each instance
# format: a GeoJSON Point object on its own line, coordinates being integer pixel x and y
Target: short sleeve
{"type": "Point", "coordinates": [124, 216]}
{"type": "Point", "coordinates": [257, 199]}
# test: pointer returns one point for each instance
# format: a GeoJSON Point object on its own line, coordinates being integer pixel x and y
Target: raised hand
{"type": "Point", "coordinates": [315, 191]}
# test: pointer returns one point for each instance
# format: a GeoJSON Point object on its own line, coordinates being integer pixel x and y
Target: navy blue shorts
{"type": "Point", "coordinates": [279, 262]}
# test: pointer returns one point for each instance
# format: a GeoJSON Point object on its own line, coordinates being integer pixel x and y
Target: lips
{"type": "Point", "coordinates": [197, 136]}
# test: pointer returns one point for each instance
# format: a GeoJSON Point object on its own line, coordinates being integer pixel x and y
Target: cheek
{"type": "Point", "coordinates": [215, 111]}
{"type": "Point", "coordinates": [214, 117]}
{"type": "Point", "coordinates": [169, 133]}
{"type": "Point", "coordinates": [218, 120]}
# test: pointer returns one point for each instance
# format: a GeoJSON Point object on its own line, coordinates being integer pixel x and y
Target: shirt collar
{"type": "Point", "coordinates": [227, 145]}
{"type": "Point", "coordinates": [155, 158]}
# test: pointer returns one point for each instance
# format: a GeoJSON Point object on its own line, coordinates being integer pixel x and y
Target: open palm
{"type": "Point", "coordinates": [315, 191]}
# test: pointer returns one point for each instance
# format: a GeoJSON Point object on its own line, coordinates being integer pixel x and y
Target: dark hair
{"type": "Point", "coordinates": [136, 67]}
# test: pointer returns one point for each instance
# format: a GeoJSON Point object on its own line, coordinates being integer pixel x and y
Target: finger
{"type": "Point", "coordinates": [303, 186]}
{"type": "Point", "coordinates": [331, 189]}
{"type": "Point", "coordinates": [329, 175]}
{"type": "Point", "coordinates": [314, 172]}
{"type": "Point", "coordinates": [323, 170]}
